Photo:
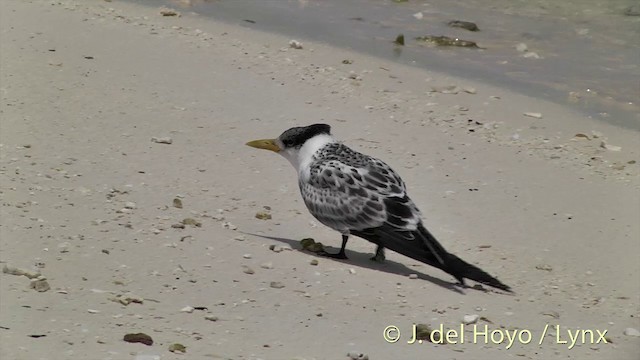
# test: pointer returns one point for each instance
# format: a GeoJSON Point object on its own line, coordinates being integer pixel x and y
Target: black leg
{"type": "Point", "coordinates": [341, 254]}
{"type": "Point", "coordinates": [379, 257]}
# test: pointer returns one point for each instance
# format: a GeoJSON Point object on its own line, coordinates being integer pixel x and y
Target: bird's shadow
{"type": "Point", "coordinates": [364, 260]}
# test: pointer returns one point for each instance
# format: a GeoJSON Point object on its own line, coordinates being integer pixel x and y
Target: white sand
{"type": "Point", "coordinates": [76, 147]}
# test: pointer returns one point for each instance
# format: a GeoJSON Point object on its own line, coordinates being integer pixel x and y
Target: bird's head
{"type": "Point", "coordinates": [290, 143]}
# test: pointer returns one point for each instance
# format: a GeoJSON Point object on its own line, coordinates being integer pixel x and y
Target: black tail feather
{"type": "Point", "coordinates": [461, 270]}
{"type": "Point", "coordinates": [422, 246]}
{"type": "Point", "coordinates": [432, 244]}
{"type": "Point", "coordinates": [457, 267]}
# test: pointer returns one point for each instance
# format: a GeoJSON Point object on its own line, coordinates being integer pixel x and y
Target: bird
{"type": "Point", "coordinates": [356, 194]}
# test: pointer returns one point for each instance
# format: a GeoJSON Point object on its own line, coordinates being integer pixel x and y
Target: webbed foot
{"type": "Point", "coordinates": [379, 256]}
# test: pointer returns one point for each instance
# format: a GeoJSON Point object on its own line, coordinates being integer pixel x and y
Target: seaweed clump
{"type": "Point", "coordinates": [448, 41]}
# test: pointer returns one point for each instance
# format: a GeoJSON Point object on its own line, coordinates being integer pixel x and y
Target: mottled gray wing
{"type": "Point", "coordinates": [352, 191]}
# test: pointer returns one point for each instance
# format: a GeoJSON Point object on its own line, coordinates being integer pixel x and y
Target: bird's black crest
{"type": "Point", "coordinates": [296, 136]}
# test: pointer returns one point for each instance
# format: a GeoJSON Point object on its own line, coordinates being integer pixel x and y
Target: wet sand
{"type": "Point", "coordinates": [582, 55]}
{"type": "Point", "coordinates": [88, 199]}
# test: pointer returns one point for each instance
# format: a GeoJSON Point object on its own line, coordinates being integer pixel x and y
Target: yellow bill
{"type": "Point", "coordinates": [266, 144]}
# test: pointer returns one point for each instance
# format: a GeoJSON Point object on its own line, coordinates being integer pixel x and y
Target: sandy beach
{"type": "Point", "coordinates": [126, 185]}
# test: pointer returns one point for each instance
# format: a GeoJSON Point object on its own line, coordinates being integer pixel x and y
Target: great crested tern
{"type": "Point", "coordinates": [359, 195]}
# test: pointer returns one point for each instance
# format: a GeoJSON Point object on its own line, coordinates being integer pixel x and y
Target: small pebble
{"type": "Point", "coordinates": [544, 267]}
{"type": "Point", "coordinates": [7, 269]}
{"type": "Point", "coordinates": [631, 332]}
{"type": "Point", "coordinates": [211, 318]}
{"type": "Point", "coordinates": [313, 262]}
{"type": "Point", "coordinates": [177, 348]}
{"type": "Point", "coordinates": [263, 215]}
{"type": "Point", "coordinates": [162, 140]}
{"type": "Point", "coordinates": [356, 355]}
{"type": "Point", "coordinates": [39, 284]}
{"type": "Point", "coordinates": [139, 338]}
{"type": "Point", "coordinates": [177, 203]}
{"type": "Point", "coordinates": [130, 205]}
{"type": "Point", "coordinates": [423, 332]}
{"type": "Point", "coordinates": [192, 222]}
{"type": "Point", "coordinates": [533, 115]}
{"type": "Point", "coordinates": [276, 285]}
{"type": "Point", "coordinates": [295, 44]}
{"type": "Point", "coordinates": [247, 270]}
{"type": "Point", "coordinates": [413, 276]}
{"type": "Point", "coordinates": [352, 271]}
{"type": "Point", "coordinates": [187, 309]}
{"type": "Point", "coordinates": [240, 238]}
{"type": "Point", "coordinates": [168, 12]}
{"type": "Point", "coordinates": [470, 319]}
{"type": "Point", "coordinates": [247, 256]}
{"type": "Point", "coordinates": [467, 25]}
{"type": "Point", "coordinates": [127, 299]}
{"type": "Point", "coordinates": [267, 265]}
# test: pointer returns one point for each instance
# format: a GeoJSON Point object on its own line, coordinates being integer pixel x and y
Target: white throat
{"type": "Point", "coordinates": [301, 158]}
